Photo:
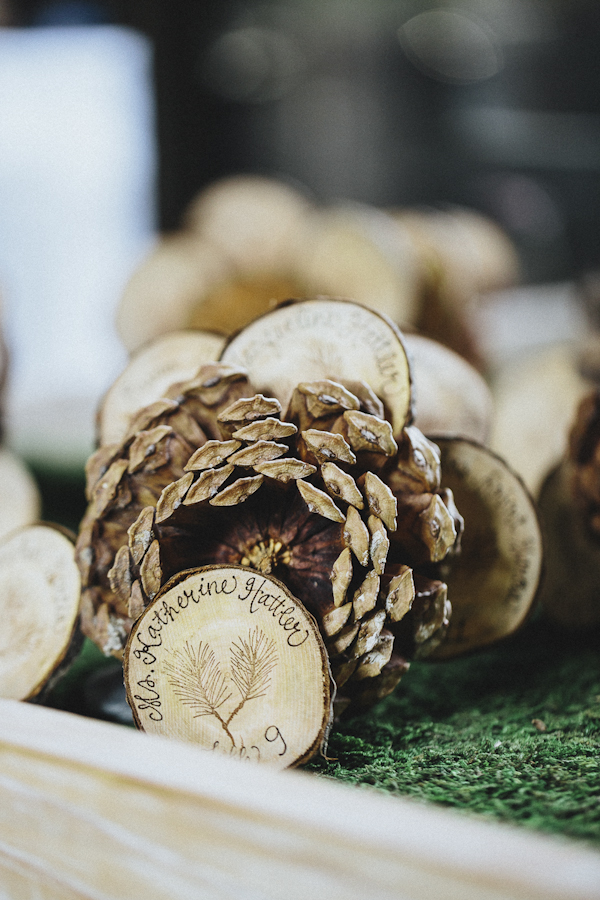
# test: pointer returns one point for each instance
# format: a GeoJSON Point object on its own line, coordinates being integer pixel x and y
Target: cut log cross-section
{"type": "Point", "coordinates": [39, 608]}
{"type": "Point", "coordinates": [172, 358]}
{"type": "Point", "coordinates": [217, 659]}
{"type": "Point", "coordinates": [494, 580]}
{"type": "Point", "coordinates": [451, 397]}
{"type": "Point", "coordinates": [300, 341]}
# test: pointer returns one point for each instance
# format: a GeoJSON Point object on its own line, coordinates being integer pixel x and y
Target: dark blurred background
{"type": "Point", "coordinates": [114, 114]}
{"type": "Point", "coordinates": [493, 104]}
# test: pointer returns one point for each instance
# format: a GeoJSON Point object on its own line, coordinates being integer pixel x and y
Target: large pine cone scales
{"type": "Point", "coordinates": [123, 479]}
{"type": "Point", "coordinates": [569, 505]}
{"type": "Point", "coordinates": [583, 461]}
{"type": "Point", "coordinates": [325, 499]}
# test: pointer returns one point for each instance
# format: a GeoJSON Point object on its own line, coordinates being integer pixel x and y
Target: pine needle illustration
{"type": "Point", "coordinates": [252, 662]}
{"type": "Point", "coordinates": [198, 681]}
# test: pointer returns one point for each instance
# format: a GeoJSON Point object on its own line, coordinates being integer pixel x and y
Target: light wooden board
{"type": "Point", "coordinates": [98, 811]}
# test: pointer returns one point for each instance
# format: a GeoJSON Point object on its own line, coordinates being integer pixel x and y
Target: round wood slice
{"type": "Point", "coordinates": [174, 357]}
{"type": "Point", "coordinates": [165, 289]}
{"type": "Point", "coordinates": [493, 581]}
{"type": "Point", "coordinates": [39, 608]}
{"type": "Point", "coordinates": [536, 394]}
{"type": "Point", "coordinates": [451, 397]}
{"type": "Point", "coordinates": [256, 222]}
{"type": "Point", "coordinates": [227, 658]}
{"type": "Point", "coordinates": [309, 340]}
{"type": "Point", "coordinates": [355, 250]}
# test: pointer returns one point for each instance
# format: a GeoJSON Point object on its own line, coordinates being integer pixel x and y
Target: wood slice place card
{"type": "Point", "coordinates": [225, 657]}
{"type": "Point", "coordinates": [493, 581]}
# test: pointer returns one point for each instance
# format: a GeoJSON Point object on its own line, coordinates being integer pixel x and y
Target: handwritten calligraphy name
{"type": "Point", "coordinates": [273, 603]}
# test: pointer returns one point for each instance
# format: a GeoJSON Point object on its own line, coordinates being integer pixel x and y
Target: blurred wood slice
{"type": "Point", "coordinates": [493, 581]}
{"type": "Point", "coordinates": [20, 501]}
{"type": "Point", "coordinates": [170, 283]}
{"type": "Point", "coordinates": [473, 253]}
{"type": "Point", "coordinates": [228, 659]}
{"type": "Point", "coordinates": [489, 253]}
{"type": "Point", "coordinates": [450, 396]}
{"type": "Point", "coordinates": [254, 221]}
{"type": "Point", "coordinates": [39, 603]}
{"type": "Point", "coordinates": [234, 303]}
{"type": "Point", "coordinates": [310, 340]}
{"type": "Point", "coordinates": [535, 397]}
{"type": "Point", "coordinates": [355, 250]}
{"type": "Point", "coordinates": [461, 255]}
{"type": "Point", "coordinates": [174, 357]}
{"type": "Point", "coordinates": [235, 256]}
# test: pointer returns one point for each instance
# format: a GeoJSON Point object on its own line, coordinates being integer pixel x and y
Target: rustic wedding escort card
{"type": "Point", "coordinates": [227, 658]}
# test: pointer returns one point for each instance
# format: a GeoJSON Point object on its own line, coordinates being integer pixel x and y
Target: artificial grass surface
{"type": "Point", "coordinates": [512, 732]}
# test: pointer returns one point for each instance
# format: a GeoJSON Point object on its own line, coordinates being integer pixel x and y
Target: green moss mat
{"type": "Point", "coordinates": [62, 492]}
{"type": "Point", "coordinates": [459, 733]}
{"type": "Point", "coordinates": [463, 734]}
{"type": "Point", "coordinates": [72, 693]}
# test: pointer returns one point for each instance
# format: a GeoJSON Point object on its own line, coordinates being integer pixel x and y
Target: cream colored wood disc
{"type": "Point", "coordinates": [493, 581]}
{"type": "Point", "coordinates": [227, 658]}
{"type": "Point", "coordinates": [325, 338]}
{"type": "Point", "coordinates": [39, 605]}
{"type": "Point", "coordinates": [173, 357]}
{"type": "Point", "coordinates": [451, 397]}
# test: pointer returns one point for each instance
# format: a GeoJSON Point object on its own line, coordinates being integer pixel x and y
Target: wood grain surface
{"type": "Point", "coordinates": [94, 810]}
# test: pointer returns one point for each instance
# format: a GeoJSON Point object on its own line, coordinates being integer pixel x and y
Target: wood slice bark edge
{"type": "Point", "coordinates": [39, 604]}
{"type": "Point", "coordinates": [229, 659]}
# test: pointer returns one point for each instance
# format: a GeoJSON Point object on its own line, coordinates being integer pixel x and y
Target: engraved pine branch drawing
{"type": "Point", "coordinates": [199, 682]}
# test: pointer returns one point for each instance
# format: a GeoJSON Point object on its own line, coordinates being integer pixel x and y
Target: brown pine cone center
{"type": "Point", "coordinates": [275, 537]}
{"type": "Point", "coordinates": [266, 556]}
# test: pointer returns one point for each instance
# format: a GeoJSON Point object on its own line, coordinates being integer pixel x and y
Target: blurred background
{"type": "Point", "coordinates": [114, 115]}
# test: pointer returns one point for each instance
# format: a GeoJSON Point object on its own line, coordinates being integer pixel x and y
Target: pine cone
{"type": "Point", "coordinates": [123, 479]}
{"type": "Point", "coordinates": [569, 507]}
{"type": "Point", "coordinates": [323, 499]}
{"type": "Point", "coordinates": [583, 462]}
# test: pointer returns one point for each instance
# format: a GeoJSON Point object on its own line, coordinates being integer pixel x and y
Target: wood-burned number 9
{"type": "Point", "coordinates": [273, 734]}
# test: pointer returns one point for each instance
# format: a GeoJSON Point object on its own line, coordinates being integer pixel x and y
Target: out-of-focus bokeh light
{"type": "Point", "coordinates": [451, 46]}
{"type": "Point", "coordinates": [528, 209]}
{"type": "Point", "coordinates": [252, 65]}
